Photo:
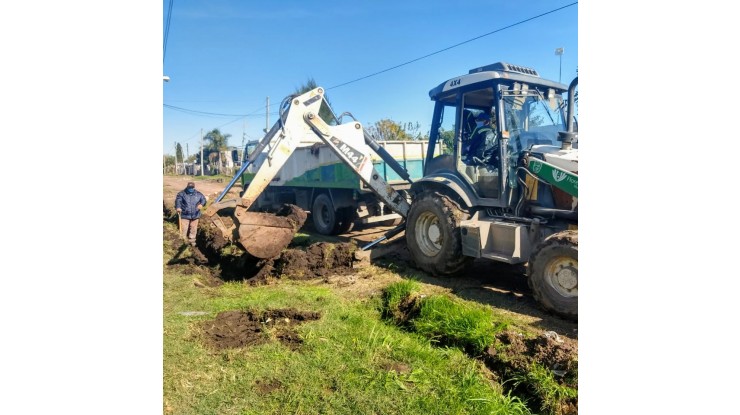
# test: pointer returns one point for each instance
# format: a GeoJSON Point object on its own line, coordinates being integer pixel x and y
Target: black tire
{"type": "Point", "coordinates": [433, 234]}
{"type": "Point", "coordinates": [324, 216]}
{"type": "Point", "coordinates": [553, 274]}
{"type": "Point", "coordinates": [347, 216]}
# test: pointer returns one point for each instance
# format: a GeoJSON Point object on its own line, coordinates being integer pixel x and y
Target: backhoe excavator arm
{"type": "Point", "coordinates": [298, 124]}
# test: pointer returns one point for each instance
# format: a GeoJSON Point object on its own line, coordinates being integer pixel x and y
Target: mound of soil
{"type": "Point", "coordinates": [317, 261]}
{"type": "Point", "coordinates": [235, 328]}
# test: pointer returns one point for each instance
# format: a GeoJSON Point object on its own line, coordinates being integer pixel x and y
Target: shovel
{"type": "Point", "coordinates": [179, 224]}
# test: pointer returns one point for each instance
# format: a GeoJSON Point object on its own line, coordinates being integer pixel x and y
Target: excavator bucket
{"type": "Point", "coordinates": [264, 235]}
{"type": "Point", "coordinates": [261, 235]}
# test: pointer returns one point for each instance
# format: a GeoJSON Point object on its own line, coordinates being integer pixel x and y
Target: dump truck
{"type": "Point", "coordinates": [520, 206]}
{"type": "Point", "coordinates": [315, 179]}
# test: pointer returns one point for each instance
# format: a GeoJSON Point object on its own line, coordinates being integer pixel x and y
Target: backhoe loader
{"type": "Point", "coordinates": [518, 206]}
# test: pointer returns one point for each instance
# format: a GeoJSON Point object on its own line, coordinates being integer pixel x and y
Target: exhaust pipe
{"type": "Point", "coordinates": [568, 136]}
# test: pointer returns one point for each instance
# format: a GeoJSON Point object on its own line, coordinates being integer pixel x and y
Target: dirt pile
{"type": "Point", "coordinates": [231, 329]}
{"type": "Point", "coordinates": [317, 261]}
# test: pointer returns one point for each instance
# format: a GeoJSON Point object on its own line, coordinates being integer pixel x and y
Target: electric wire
{"type": "Point", "coordinates": [453, 46]}
{"type": "Point", "coordinates": [196, 112]}
{"type": "Point", "coordinates": [167, 30]}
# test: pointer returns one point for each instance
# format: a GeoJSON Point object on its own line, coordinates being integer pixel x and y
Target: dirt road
{"type": "Point", "coordinates": [500, 285]}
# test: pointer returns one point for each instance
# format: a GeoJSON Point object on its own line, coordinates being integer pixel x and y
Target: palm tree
{"type": "Point", "coordinates": [217, 142]}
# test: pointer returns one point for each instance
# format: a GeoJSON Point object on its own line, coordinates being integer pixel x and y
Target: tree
{"type": "Point", "coordinates": [389, 130]}
{"type": "Point", "coordinates": [217, 142]}
{"type": "Point", "coordinates": [168, 162]}
{"type": "Point", "coordinates": [447, 138]}
{"type": "Point", "coordinates": [324, 111]}
{"type": "Point", "coordinates": [178, 152]}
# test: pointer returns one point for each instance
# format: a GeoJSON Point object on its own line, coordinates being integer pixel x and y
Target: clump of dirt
{"type": "Point", "coordinates": [317, 261]}
{"type": "Point", "coordinates": [232, 329]}
{"type": "Point", "coordinates": [515, 357]}
{"type": "Point", "coordinates": [266, 387]}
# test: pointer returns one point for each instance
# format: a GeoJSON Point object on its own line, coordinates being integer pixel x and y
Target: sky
{"type": "Point", "coordinates": [229, 57]}
{"type": "Point", "coordinates": [82, 118]}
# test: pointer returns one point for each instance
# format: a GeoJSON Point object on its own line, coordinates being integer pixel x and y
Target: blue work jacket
{"type": "Point", "coordinates": [188, 203]}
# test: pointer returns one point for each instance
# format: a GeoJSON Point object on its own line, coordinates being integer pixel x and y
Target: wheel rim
{"type": "Point", "coordinates": [428, 234]}
{"type": "Point", "coordinates": [324, 215]}
{"type": "Point", "coordinates": [561, 274]}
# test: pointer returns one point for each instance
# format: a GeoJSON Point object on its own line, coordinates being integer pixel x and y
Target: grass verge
{"type": "Point", "coordinates": [350, 361]}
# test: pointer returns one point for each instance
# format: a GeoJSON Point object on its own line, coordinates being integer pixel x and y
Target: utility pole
{"type": "Point", "coordinates": [559, 52]}
{"type": "Point", "coordinates": [202, 167]}
{"type": "Point", "coordinates": [267, 115]}
{"type": "Point", "coordinates": [244, 138]}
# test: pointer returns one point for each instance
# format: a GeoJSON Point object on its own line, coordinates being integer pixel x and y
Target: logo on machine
{"type": "Point", "coordinates": [558, 175]}
{"type": "Point", "coordinates": [354, 156]}
{"type": "Point", "coordinates": [536, 166]}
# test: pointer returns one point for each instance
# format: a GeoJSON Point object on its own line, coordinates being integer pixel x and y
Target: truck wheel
{"type": "Point", "coordinates": [325, 218]}
{"type": "Point", "coordinates": [347, 216]}
{"type": "Point", "coordinates": [553, 274]}
{"type": "Point", "coordinates": [433, 234]}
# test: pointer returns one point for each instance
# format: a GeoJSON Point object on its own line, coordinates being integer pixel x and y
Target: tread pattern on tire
{"type": "Point", "coordinates": [564, 240]}
{"type": "Point", "coordinates": [449, 261]}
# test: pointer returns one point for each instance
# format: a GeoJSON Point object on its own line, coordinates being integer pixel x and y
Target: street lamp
{"type": "Point", "coordinates": [166, 78]}
{"type": "Point", "coordinates": [559, 52]}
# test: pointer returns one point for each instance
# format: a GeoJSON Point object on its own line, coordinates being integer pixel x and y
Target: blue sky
{"type": "Point", "coordinates": [226, 56]}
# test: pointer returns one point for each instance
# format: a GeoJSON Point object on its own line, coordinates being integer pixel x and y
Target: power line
{"type": "Point", "coordinates": [167, 30]}
{"type": "Point", "coordinates": [217, 114]}
{"type": "Point", "coordinates": [252, 114]}
{"type": "Point", "coordinates": [453, 46]}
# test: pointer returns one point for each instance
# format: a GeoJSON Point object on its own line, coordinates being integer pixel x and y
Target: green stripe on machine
{"type": "Point", "coordinates": [562, 179]}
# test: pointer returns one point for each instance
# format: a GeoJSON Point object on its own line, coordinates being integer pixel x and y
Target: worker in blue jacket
{"type": "Point", "coordinates": [188, 203]}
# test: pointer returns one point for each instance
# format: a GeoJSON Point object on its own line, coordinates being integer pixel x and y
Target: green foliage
{"type": "Point", "coordinates": [389, 130]}
{"type": "Point", "coordinates": [324, 111]}
{"type": "Point", "coordinates": [217, 142]}
{"type": "Point", "coordinates": [447, 138]}
{"type": "Point", "coordinates": [179, 152]}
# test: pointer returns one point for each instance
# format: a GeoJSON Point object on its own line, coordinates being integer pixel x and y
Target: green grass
{"type": "Point", "coordinates": [351, 362]}
{"type": "Point", "coordinates": [470, 327]}
{"type": "Point", "coordinates": [542, 382]}
{"type": "Point", "coordinates": [456, 323]}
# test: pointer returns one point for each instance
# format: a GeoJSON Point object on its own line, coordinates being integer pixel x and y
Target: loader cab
{"type": "Point", "coordinates": [525, 110]}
